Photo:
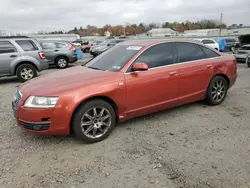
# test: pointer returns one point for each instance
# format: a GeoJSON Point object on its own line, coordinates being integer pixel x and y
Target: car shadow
{"type": "Point", "coordinates": [128, 124]}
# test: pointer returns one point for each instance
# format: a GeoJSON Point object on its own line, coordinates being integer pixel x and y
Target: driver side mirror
{"type": "Point", "coordinates": [140, 67]}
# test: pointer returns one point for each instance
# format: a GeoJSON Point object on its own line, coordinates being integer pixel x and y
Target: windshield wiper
{"type": "Point", "coordinates": [93, 68]}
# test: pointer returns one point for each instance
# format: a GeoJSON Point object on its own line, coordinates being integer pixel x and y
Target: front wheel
{"type": "Point", "coordinates": [26, 72]}
{"type": "Point", "coordinates": [93, 121]}
{"type": "Point", "coordinates": [217, 91]}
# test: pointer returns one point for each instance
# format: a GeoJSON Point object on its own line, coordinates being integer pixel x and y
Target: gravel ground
{"type": "Point", "coordinates": [190, 146]}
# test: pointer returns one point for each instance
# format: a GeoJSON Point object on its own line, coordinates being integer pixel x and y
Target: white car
{"type": "Point", "coordinates": [209, 42]}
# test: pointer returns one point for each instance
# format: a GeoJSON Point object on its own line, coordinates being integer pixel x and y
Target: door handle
{"type": "Point", "coordinates": [13, 56]}
{"type": "Point", "coordinates": [209, 66]}
{"type": "Point", "coordinates": [56, 50]}
{"type": "Point", "coordinates": [173, 73]}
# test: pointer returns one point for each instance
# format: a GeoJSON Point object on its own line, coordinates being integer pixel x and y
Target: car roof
{"type": "Point", "coordinates": [149, 42]}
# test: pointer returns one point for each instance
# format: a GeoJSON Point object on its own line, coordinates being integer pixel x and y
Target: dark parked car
{"type": "Point", "coordinates": [59, 53]}
{"type": "Point", "coordinates": [105, 45]}
{"type": "Point", "coordinates": [21, 56]}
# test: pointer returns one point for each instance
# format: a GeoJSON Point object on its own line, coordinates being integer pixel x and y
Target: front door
{"type": "Point", "coordinates": [8, 54]}
{"type": "Point", "coordinates": [156, 88]}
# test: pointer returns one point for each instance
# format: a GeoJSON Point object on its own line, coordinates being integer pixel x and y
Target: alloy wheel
{"type": "Point", "coordinates": [27, 73]}
{"type": "Point", "coordinates": [96, 122]}
{"type": "Point", "coordinates": [218, 91]}
{"type": "Point", "coordinates": [62, 63]}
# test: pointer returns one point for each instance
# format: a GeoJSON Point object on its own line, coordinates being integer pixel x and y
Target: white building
{"type": "Point", "coordinates": [162, 32]}
{"type": "Point", "coordinates": [202, 32]}
{"type": "Point", "coordinates": [239, 31]}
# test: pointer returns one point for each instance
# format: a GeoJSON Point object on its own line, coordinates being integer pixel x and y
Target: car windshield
{"type": "Point", "coordinates": [113, 59]}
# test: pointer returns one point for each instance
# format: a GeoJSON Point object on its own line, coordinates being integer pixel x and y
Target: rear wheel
{"type": "Point", "coordinates": [62, 62]}
{"type": "Point", "coordinates": [217, 91]}
{"type": "Point", "coordinates": [26, 72]}
{"type": "Point", "coordinates": [93, 121]}
{"type": "Point", "coordinates": [87, 50]}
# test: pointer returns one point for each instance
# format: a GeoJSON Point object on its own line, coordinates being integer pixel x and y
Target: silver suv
{"type": "Point", "coordinates": [21, 56]}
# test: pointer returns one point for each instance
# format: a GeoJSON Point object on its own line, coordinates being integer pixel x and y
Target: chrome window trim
{"type": "Point", "coordinates": [219, 56]}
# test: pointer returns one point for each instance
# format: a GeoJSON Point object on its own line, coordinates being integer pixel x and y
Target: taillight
{"type": "Point", "coordinates": [42, 55]}
{"type": "Point", "coordinates": [72, 47]}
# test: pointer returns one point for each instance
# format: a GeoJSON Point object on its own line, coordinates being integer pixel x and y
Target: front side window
{"type": "Point", "coordinates": [27, 45]}
{"type": "Point", "coordinates": [158, 55]}
{"type": "Point", "coordinates": [113, 59]}
{"type": "Point", "coordinates": [208, 42]}
{"type": "Point", "coordinates": [6, 47]}
{"type": "Point", "coordinates": [189, 52]}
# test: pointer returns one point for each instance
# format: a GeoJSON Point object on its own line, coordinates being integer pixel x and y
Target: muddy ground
{"type": "Point", "coordinates": [190, 146]}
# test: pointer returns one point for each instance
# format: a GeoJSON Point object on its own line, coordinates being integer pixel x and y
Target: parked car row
{"type": "Point", "coordinates": [24, 56]}
{"type": "Point", "coordinates": [133, 78]}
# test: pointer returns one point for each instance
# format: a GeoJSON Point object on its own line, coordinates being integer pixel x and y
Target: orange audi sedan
{"type": "Point", "coordinates": [131, 79]}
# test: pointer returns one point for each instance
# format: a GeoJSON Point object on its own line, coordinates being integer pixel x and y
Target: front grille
{"type": "Point", "coordinates": [240, 59]}
{"type": "Point", "coordinates": [40, 126]}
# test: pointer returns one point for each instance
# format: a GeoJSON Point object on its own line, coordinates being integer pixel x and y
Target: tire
{"type": "Point", "coordinates": [87, 50]}
{"type": "Point", "coordinates": [26, 72]}
{"type": "Point", "coordinates": [248, 64]}
{"type": "Point", "coordinates": [83, 114]}
{"type": "Point", "coordinates": [62, 62]}
{"type": "Point", "coordinates": [217, 89]}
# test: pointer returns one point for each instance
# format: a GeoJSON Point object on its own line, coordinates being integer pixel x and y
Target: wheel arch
{"type": "Point", "coordinates": [225, 77]}
{"type": "Point", "coordinates": [105, 98]}
{"type": "Point", "coordinates": [22, 63]}
{"type": "Point", "coordinates": [58, 56]}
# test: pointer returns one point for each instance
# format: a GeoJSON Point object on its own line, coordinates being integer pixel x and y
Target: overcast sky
{"type": "Point", "coordinates": [47, 15]}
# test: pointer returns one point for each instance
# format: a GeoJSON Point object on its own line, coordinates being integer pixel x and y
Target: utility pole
{"type": "Point", "coordinates": [221, 17]}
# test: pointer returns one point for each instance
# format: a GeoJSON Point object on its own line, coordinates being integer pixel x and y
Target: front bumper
{"type": "Point", "coordinates": [54, 121]}
{"type": "Point", "coordinates": [241, 58]}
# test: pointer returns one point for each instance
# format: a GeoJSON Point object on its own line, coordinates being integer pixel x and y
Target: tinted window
{"type": "Point", "coordinates": [230, 40]}
{"type": "Point", "coordinates": [208, 42]}
{"type": "Point", "coordinates": [189, 52]}
{"type": "Point", "coordinates": [48, 45]}
{"type": "Point", "coordinates": [245, 48]}
{"type": "Point", "coordinates": [114, 58]}
{"type": "Point", "coordinates": [159, 55]}
{"type": "Point", "coordinates": [61, 45]}
{"type": "Point", "coordinates": [27, 45]}
{"type": "Point", "coordinates": [6, 47]}
{"type": "Point", "coordinates": [209, 52]}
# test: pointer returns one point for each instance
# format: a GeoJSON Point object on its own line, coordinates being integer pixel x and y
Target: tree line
{"type": "Point", "coordinates": [135, 29]}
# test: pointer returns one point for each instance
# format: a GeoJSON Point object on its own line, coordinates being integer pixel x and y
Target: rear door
{"type": "Point", "coordinates": [195, 70]}
{"type": "Point", "coordinates": [8, 54]}
{"type": "Point", "coordinates": [29, 47]}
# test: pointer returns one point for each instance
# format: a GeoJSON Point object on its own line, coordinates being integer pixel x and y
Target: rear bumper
{"type": "Point", "coordinates": [73, 59]}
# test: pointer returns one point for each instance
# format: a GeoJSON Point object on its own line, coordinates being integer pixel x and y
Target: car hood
{"type": "Point", "coordinates": [53, 84]}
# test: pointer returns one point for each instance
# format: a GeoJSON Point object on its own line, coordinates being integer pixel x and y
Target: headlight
{"type": "Point", "coordinates": [41, 102]}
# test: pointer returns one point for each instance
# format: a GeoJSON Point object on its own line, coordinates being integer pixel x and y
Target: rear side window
{"type": "Point", "coordinates": [61, 45]}
{"type": "Point", "coordinates": [27, 45]}
{"type": "Point", "coordinates": [208, 42]}
{"type": "Point", "coordinates": [48, 45]}
{"type": "Point", "coordinates": [157, 56]}
{"type": "Point", "coordinates": [6, 47]}
{"type": "Point", "coordinates": [189, 52]}
{"type": "Point", "coordinates": [209, 52]}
